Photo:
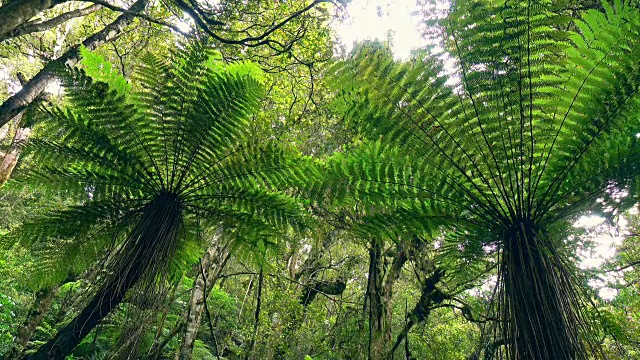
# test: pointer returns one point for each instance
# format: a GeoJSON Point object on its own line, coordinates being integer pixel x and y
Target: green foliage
{"type": "Point", "coordinates": [535, 123]}
{"type": "Point", "coordinates": [98, 69]}
{"type": "Point", "coordinates": [540, 123]}
{"type": "Point", "coordinates": [186, 130]}
{"type": "Point", "coordinates": [7, 318]}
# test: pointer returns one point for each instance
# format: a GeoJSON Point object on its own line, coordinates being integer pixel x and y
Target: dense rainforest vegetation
{"type": "Point", "coordinates": [189, 179]}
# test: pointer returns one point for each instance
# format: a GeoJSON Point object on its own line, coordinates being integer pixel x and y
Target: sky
{"type": "Point", "coordinates": [378, 19]}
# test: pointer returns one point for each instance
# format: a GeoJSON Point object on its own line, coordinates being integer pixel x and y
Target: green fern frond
{"type": "Point", "coordinates": [150, 163]}
{"type": "Point", "coordinates": [538, 124]}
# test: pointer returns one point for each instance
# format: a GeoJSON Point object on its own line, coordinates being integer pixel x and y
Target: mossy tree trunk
{"type": "Point", "coordinates": [382, 277]}
{"type": "Point", "coordinates": [210, 268]}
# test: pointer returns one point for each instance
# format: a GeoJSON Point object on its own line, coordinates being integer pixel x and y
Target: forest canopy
{"type": "Point", "coordinates": [231, 180]}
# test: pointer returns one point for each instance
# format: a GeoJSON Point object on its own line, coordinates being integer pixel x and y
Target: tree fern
{"type": "Point", "coordinates": [541, 123]}
{"type": "Point", "coordinates": [148, 166]}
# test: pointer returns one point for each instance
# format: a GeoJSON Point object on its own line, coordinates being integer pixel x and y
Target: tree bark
{"type": "Point", "coordinates": [32, 27]}
{"type": "Point", "coordinates": [44, 298]}
{"type": "Point", "coordinates": [17, 12]}
{"type": "Point", "coordinates": [380, 295]}
{"type": "Point", "coordinates": [256, 320]}
{"type": "Point", "coordinates": [213, 263]}
{"type": "Point", "coordinates": [9, 159]}
{"type": "Point", "coordinates": [18, 102]}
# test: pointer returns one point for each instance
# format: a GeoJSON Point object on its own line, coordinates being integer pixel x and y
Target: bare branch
{"type": "Point", "coordinates": [140, 15]}
{"type": "Point", "coordinates": [632, 264]}
{"type": "Point", "coordinates": [31, 27]}
{"type": "Point", "coordinates": [250, 41]}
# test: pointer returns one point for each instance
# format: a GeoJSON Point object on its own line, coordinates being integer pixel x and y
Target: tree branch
{"type": "Point", "coordinates": [23, 98]}
{"type": "Point", "coordinates": [140, 15]}
{"type": "Point", "coordinates": [632, 264]}
{"type": "Point", "coordinates": [250, 41]}
{"type": "Point", "coordinates": [31, 27]}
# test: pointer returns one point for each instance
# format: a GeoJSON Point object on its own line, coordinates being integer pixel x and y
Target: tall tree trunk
{"type": "Point", "coordinates": [43, 301]}
{"type": "Point", "coordinates": [29, 92]}
{"type": "Point", "coordinates": [213, 263]}
{"type": "Point", "coordinates": [256, 316]}
{"type": "Point", "coordinates": [17, 12]}
{"type": "Point", "coordinates": [9, 158]}
{"type": "Point", "coordinates": [381, 281]}
{"type": "Point", "coordinates": [154, 237]}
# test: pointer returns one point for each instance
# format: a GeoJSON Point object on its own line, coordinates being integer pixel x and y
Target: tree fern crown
{"type": "Point", "coordinates": [182, 132]}
{"type": "Point", "coordinates": [537, 122]}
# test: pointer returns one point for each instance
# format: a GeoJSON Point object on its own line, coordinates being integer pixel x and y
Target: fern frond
{"type": "Point", "coordinates": [541, 123]}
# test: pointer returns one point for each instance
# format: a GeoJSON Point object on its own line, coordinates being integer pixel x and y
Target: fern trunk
{"type": "Point", "coordinates": [153, 240]}
{"type": "Point", "coordinates": [540, 322]}
{"type": "Point", "coordinates": [72, 334]}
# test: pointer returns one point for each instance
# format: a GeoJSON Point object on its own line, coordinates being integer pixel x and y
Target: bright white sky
{"type": "Point", "coordinates": [382, 19]}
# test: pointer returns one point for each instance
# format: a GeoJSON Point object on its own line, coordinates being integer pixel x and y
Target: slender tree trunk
{"type": "Point", "coordinates": [17, 12]}
{"type": "Point", "coordinates": [156, 349]}
{"type": "Point", "coordinates": [256, 320]}
{"type": "Point", "coordinates": [377, 310]}
{"type": "Point", "coordinates": [30, 91]}
{"type": "Point", "coordinates": [154, 237]}
{"type": "Point", "coordinates": [429, 297]}
{"type": "Point", "coordinates": [43, 301]}
{"type": "Point", "coordinates": [213, 263]}
{"type": "Point", "coordinates": [9, 156]}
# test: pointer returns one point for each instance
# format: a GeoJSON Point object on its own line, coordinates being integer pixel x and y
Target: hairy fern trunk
{"type": "Point", "coordinates": [538, 323]}
{"type": "Point", "coordinates": [153, 239]}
